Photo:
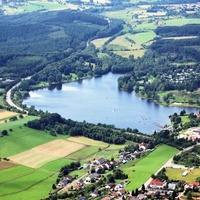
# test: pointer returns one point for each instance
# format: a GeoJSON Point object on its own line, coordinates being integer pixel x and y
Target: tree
{"type": "Point", "coordinates": [59, 78]}
{"type": "Point", "coordinates": [4, 132]}
{"type": "Point", "coordinates": [189, 195]}
{"type": "Point", "coordinates": [143, 187]}
{"type": "Point", "coordinates": [54, 186]}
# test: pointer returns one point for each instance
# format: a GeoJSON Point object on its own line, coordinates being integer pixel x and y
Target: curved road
{"type": "Point", "coordinates": [8, 96]}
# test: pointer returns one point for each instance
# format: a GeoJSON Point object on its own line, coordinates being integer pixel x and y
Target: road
{"type": "Point", "coordinates": [8, 96]}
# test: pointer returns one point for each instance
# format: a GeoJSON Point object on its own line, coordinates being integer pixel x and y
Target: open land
{"type": "Point", "coordinates": [44, 153]}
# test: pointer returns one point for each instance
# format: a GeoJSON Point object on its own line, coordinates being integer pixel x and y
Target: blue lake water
{"type": "Point", "coordinates": [99, 100]}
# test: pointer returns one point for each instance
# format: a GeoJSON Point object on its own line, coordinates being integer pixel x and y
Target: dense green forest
{"type": "Point", "coordinates": [29, 42]}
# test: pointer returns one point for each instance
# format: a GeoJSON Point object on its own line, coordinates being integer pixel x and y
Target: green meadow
{"type": "Point", "coordinates": [17, 180]}
{"type": "Point", "coordinates": [21, 138]}
{"type": "Point", "coordinates": [141, 171]}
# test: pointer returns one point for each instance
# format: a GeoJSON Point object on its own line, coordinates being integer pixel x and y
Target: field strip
{"type": "Point", "coordinates": [87, 141]}
{"type": "Point", "coordinates": [27, 187]}
{"type": "Point", "coordinates": [44, 153]}
{"type": "Point", "coordinates": [18, 177]}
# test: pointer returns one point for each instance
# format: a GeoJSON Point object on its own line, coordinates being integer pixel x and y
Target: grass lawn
{"type": "Point", "coordinates": [143, 170]}
{"type": "Point", "coordinates": [176, 174]}
{"type": "Point", "coordinates": [21, 138]}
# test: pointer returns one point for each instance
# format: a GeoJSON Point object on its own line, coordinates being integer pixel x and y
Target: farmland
{"type": "Point", "coordinates": [44, 153]}
{"type": "Point", "coordinates": [141, 171]}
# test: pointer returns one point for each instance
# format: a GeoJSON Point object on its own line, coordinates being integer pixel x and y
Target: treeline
{"type": "Point", "coordinates": [174, 31]}
{"type": "Point", "coordinates": [188, 158]}
{"type": "Point", "coordinates": [71, 16]}
{"type": "Point", "coordinates": [165, 137]}
{"type": "Point", "coordinates": [55, 124]}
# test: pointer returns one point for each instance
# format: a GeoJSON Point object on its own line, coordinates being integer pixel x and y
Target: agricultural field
{"type": "Point", "coordinates": [141, 171]}
{"type": "Point", "coordinates": [37, 156]}
{"type": "Point", "coordinates": [21, 138]}
{"type": "Point", "coordinates": [21, 182]}
{"type": "Point", "coordinates": [5, 115]}
{"type": "Point", "coordinates": [176, 174]}
{"type": "Point", "coordinates": [99, 42]}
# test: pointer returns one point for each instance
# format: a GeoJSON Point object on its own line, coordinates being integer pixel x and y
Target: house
{"type": "Point", "coordinates": [95, 193]}
{"type": "Point", "coordinates": [110, 186]}
{"type": "Point", "coordinates": [100, 161]}
{"type": "Point", "coordinates": [122, 192]}
{"type": "Point", "coordinates": [114, 194]}
{"type": "Point", "coordinates": [141, 196]}
{"type": "Point", "coordinates": [93, 176]}
{"type": "Point", "coordinates": [194, 185]}
{"type": "Point", "coordinates": [156, 184]}
{"type": "Point", "coordinates": [80, 182]}
{"type": "Point", "coordinates": [142, 146]}
{"type": "Point", "coordinates": [69, 178]}
{"type": "Point", "coordinates": [171, 186]}
{"type": "Point", "coordinates": [78, 187]}
{"type": "Point", "coordinates": [82, 198]}
{"type": "Point", "coordinates": [106, 198]}
{"type": "Point", "coordinates": [62, 183]}
{"type": "Point", "coordinates": [86, 165]}
{"type": "Point", "coordinates": [119, 186]}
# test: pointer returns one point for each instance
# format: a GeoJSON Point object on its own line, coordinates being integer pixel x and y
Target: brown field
{"type": "Point", "coordinates": [42, 154]}
{"type": "Point", "coordinates": [6, 164]}
{"type": "Point", "coordinates": [4, 114]}
{"type": "Point", "coordinates": [87, 141]}
{"type": "Point", "coordinates": [99, 42]}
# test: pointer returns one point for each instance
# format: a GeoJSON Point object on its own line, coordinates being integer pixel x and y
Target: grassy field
{"type": "Point", "coordinates": [141, 172]}
{"type": "Point", "coordinates": [21, 138]}
{"type": "Point", "coordinates": [55, 165]}
{"type": "Point", "coordinates": [24, 183]}
{"type": "Point", "coordinates": [176, 174]}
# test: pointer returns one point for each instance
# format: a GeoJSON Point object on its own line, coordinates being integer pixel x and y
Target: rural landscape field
{"type": "Point", "coordinates": [153, 45]}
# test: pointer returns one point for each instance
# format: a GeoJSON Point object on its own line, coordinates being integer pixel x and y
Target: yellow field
{"type": "Point", "coordinates": [5, 114]}
{"type": "Point", "coordinates": [42, 154]}
{"type": "Point", "coordinates": [99, 42]}
{"type": "Point", "coordinates": [87, 141]}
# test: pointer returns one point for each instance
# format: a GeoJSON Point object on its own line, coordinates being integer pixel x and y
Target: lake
{"type": "Point", "coordinates": [99, 100]}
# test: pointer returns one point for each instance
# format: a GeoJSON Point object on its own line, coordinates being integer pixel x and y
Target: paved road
{"type": "Point", "coordinates": [8, 96]}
